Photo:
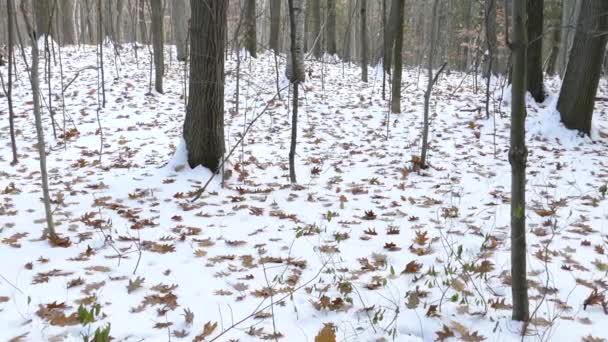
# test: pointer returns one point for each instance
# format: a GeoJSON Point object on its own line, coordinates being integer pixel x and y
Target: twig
{"type": "Point", "coordinates": [260, 309]}
{"type": "Point", "coordinates": [78, 74]}
{"type": "Point", "coordinates": [200, 192]}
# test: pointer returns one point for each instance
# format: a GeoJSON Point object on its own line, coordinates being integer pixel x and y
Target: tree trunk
{"type": "Point", "coordinates": [429, 87]}
{"type": "Point", "coordinates": [295, 73]}
{"type": "Point", "coordinates": [316, 27]}
{"type": "Point", "coordinates": [534, 69]}
{"type": "Point", "coordinates": [11, 14]}
{"type": "Point", "coordinates": [179, 21]}
{"type": "Point", "coordinates": [364, 47]}
{"type": "Point", "coordinates": [570, 12]}
{"type": "Point", "coordinates": [390, 29]}
{"type": "Point", "coordinates": [397, 59]}
{"type": "Point", "coordinates": [552, 62]}
{"type": "Point", "coordinates": [118, 29]}
{"type": "Point", "coordinates": [143, 30]}
{"type": "Point", "coordinates": [42, 10]}
{"type": "Point", "coordinates": [330, 28]}
{"type": "Point", "coordinates": [296, 38]}
{"type": "Point", "coordinates": [204, 123]}
{"type": "Point", "coordinates": [68, 22]}
{"type": "Point", "coordinates": [517, 157]}
{"type": "Point", "coordinates": [158, 38]}
{"type": "Point", "coordinates": [49, 232]}
{"type": "Point", "coordinates": [491, 41]}
{"type": "Point", "coordinates": [275, 26]}
{"type": "Point", "coordinates": [577, 97]}
{"type": "Point", "coordinates": [249, 23]}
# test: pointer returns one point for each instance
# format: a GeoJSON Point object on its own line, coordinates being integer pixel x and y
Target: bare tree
{"type": "Point", "coordinates": [158, 39]}
{"type": "Point", "coordinates": [535, 49]}
{"type": "Point", "coordinates": [330, 28]}
{"type": "Point", "coordinates": [517, 157]}
{"type": "Point", "coordinates": [10, 11]}
{"type": "Point", "coordinates": [275, 25]}
{"type": "Point", "coordinates": [570, 12]}
{"type": "Point", "coordinates": [204, 123]}
{"type": "Point", "coordinates": [68, 22]}
{"type": "Point", "coordinates": [316, 27]}
{"type": "Point", "coordinates": [42, 13]}
{"type": "Point", "coordinates": [364, 47]}
{"type": "Point", "coordinates": [179, 19]}
{"type": "Point", "coordinates": [49, 232]}
{"type": "Point", "coordinates": [143, 29]}
{"type": "Point", "coordinates": [249, 23]}
{"type": "Point", "coordinates": [429, 88]}
{"type": "Point", "coordinates": [295, 73]}
{"type": "Point", "coordinates": [397, 59]}
{"type": "Point", "coordinates": [577, 97]}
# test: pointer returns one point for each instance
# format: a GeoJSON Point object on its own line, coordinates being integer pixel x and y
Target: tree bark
{"type": "Point", "coordinates": [570, 12]}
{"type": "Point", "coordinates": [118, 27]}
{"type": "Point", "coordinates": [330, 28]}
{"type": "Point", "coordinates": [158, 39]}
{"type": "Point", "coordinates": [517, 157]}
{"type": "Point", "coordinates": [11, 14]}
{"type": "Point", "coordinates": [250, 35]}
{"type": "Point", "coordinates": [42, 10]}
{"type": "Point", "coordinates": [295, 74]}
{"type": "Point", "coordinates": [397, 59]}
{"type": "Point", "coordinates": [553, 55]}
{"type": "Point", "coordinates": [179, 21]}
{"type": "Point", "coordinates": [143, 30]}
{"type": "Point", "coordinates": [577, 97]}
{"type": "Point", "coordinates": [296, 43]}
{"type": "Point", "coordinates": [534, 69]}
{"type": "Point", "coordinates": [204, 123]}
{"type": "Point", "coordinates": [49, 232]}
{"type": "Point", "coordinates": [275, 26]}
{"type": "Point", "coordinates": [316, 28]}
{"type": "Point", "coordinates": [491, 40]}
{"type": "Point", "coordinates": [429, 87]}
{"type": "Point", "coordinates": [364, 45]}
{"type": "Point", "coordinates": [68, 22]}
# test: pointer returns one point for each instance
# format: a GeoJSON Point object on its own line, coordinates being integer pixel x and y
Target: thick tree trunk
{"type": "Point", "coordinates": [158, 39]}
{"type": "Point", "coordinates": [204, 124]}
{"type": "Point", "coordinates": [330, 28]}
{"type": "Point", "coordinates": [577, 96]}
{"type": "Point", "coordinates": [249, 32]}
{"type": "Point", "coordinates": [534, 69]}
{"type": "Point", "coordinates": [179, 21]}
{"type": "Point", "coordinates": [67, 22]}
{"type": "Point", "coordinates": [275, 26]}
{"type": "Point", "coordinates": [397, 59]}
{"type": "Point", "coordinates": [316, 28]}
{"type": "Point", "coordinates": [570, 12]}
{"type": "Point", "coordinates": [517, 157]}
{"type": "Point", "coordinates": [364, 44]}
{"type": "Point", "coordinates": [42, 10]}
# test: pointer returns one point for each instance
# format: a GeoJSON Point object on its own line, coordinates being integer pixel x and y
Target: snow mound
{"type": "Point", "coordinates": [546, 124]}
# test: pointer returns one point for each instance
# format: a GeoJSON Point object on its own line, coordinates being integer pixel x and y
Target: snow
{"type": "Point", "coordinates": [357, 217]}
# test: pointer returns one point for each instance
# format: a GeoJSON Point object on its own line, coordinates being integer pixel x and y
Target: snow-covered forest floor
{"type": "Point", "coordinates": [365, 243]}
